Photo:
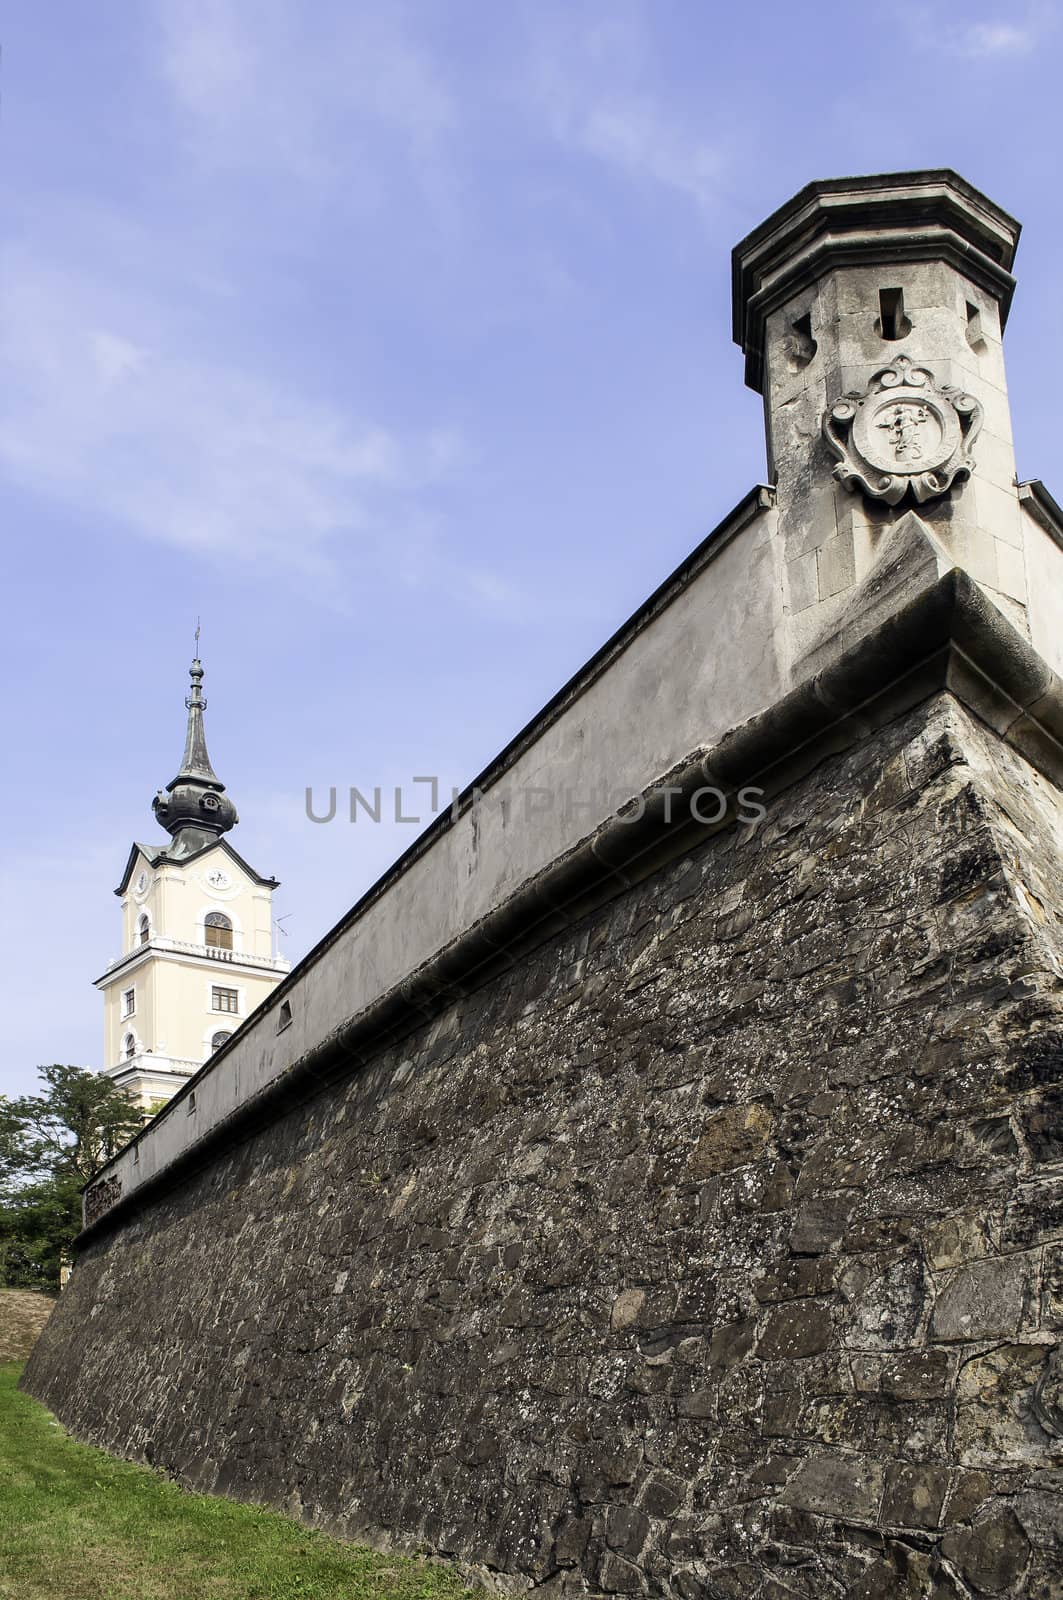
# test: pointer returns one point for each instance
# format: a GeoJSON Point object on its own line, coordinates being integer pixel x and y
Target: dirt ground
{"type": "Point", "coordinates": [23, 1313]}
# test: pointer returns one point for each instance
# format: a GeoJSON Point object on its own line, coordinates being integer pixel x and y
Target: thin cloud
{"type": "Point", "coordinates": [1013, 34]}
{"type": "Point", "coordinates": [590, 85]}
{"type": "Point", "coordinates": [259, 87]}
{"type": "Point", "coordinates": [632, 135]}
{"type": "Point", "coordinates": [999, 39]}
{"type": "Point", "coordinates": [105, 404]}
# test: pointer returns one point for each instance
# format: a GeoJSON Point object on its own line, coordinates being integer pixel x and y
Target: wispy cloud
{"type": "Point", "coordinates": [999, 38]}
{"type": "Point", "coordinates": [1014, 32]}
{"type": "Point", "coordinates": [632, 135]}
{"type": "Point", "coordinates": [105, 403]}
{"type": "Point", "coordinates": [265, 85]}
{"type": "Point", "coordinates": [590, 83]}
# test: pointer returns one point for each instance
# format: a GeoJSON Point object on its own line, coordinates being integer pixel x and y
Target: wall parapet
{"type": "Point", "coordinates": [948, 638]}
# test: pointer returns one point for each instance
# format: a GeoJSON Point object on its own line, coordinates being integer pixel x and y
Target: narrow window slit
{"type": "Point", "coordinates": [975, 336]}
{"type": "Point", "coordinates": [802, 346]}
{"type": "Point", "coordinates": [893, 324]}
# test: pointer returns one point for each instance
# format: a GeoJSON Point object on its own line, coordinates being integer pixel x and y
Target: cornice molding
{"type": "Point", "coordinates": [858, 222]}
{"type": "Point", "coordinates": [236, 960]}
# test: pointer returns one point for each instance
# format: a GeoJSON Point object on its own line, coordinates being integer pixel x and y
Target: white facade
{"type": "Point", "coordinates": [197, 936]}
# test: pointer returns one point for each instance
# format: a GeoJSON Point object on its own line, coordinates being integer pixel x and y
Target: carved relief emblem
{"type": "Point", "coordinates": [903, 432]}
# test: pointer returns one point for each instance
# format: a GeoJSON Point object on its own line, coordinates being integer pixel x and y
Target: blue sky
{"type": "Point", "coordinates": [394, 342]}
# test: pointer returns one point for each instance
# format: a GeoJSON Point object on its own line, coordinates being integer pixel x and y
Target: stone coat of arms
{"type": "Point", "coordinates": [903, 432]}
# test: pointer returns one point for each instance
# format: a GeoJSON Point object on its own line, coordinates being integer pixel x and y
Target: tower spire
{"type": "Point", "coordinates": [196, 762]}
{"type": "Point", "coordinates": [194, 807]}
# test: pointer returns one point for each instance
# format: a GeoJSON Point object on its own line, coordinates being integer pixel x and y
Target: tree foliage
{"type": "Point", "coordinates": [51, 1145]}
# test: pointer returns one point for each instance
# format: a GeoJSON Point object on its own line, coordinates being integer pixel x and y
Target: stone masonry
{"type": "Point", "coordinates": [714, 1250]}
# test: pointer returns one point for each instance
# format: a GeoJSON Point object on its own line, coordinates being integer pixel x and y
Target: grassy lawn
{"type": "Point", "coordinates": [77, 1525]}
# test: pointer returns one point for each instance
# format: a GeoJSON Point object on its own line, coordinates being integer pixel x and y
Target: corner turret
{"type": "Point", "coordinates": [870, 311]}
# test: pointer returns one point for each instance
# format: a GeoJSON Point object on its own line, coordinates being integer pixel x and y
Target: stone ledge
{"type": "Point", "coordinates": [950, 638]}
{"type": "Point", "coordinates": [1043, 508]}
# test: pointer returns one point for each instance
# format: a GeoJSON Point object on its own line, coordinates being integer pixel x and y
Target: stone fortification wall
{"type": "Point", "coordinates": [716, 1249]}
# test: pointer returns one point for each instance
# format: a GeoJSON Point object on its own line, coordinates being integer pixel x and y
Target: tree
{"type": "Point", "coordinates": [51, 1145]}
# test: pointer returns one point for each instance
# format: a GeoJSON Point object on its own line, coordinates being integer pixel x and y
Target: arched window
{"type": "Point", "coordinates": [129, 1047]}
{"type": "Point", "coordinates": [218, 1039]}
{"type": "Point", "coordinates": [144, 928]}
{"type": "Point", "coordinates": [218, 930]}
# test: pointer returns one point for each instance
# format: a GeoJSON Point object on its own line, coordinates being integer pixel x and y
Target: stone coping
{"type": "Point", "coordinates": [347, 962]}
{"type": "Point", "coordinates": [949, 638]}
{"type": "Point", "coordinates": [1043, 507]}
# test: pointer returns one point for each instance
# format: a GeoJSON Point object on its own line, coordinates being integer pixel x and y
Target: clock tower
{"type": "Point", "coordinates": [197, 934]}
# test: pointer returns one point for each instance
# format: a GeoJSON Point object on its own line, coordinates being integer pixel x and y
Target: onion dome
{"type": "Point", "coordinates": [194, 807]}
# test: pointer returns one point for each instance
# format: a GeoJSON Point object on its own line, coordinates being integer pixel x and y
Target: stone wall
{"type": "Point", "coordinates": [714, 1250]}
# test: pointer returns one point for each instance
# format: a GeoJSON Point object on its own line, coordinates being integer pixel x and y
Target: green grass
{"type": "Point", "coordinates": [75, 1524]}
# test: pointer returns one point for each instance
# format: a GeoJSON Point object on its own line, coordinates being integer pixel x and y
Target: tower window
{"type": "Point", "coordinates": [975, 337]}
{"type": "Point", "coordinates": [218, 930]}
{"type": "Point", "coordinates": [129, 1002]}
{"type": "Point", "coordinates": [224, 999]}
{"type": "Point", "coordinates": [802, 346]}
{"type": "Point", "coordinates": [129, 1047]}
{"type": "Point", "coordinates": [218, 1039]}
{"type": "Point", "coordinates": [893, 324]}
{"type": "Point", "coordinates": [144, 928]}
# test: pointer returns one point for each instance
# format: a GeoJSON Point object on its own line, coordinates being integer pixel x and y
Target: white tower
{"type": "Point", "coordinates": [197, 946]}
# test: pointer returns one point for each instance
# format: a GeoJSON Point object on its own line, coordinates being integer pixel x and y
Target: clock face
{"type": "Point", "coordinates": [218, 879]}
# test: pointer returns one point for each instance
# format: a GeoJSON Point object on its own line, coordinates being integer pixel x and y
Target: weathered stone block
{"type": "Point", "coordinates": [956, 1240]}
{"type": "Point", "coordinates": [796, 1328]}
{"type": "Point", "coordinates": [1034, 1215]}
{"type": "Point", "coordinates": [626, 1529]}
{"type": "Point", "coordinates": [702, 1403]}
{"type": "Point", "coordinates": [837, 565]}
{"type": "Point", "coordinates": [820, 1224]}
{"type": "Point", "coordinates": [911, 1375]}
{"type": "Point", "coordinates": [1039, 1508]}
{"type": "Point", "coordinates": [969, 1492]}
{"type": "Point", "coordinates": [886, 1298]}
{"type": "Point", "coordinates": [914, 1495]}
{"type": "Point", "coordinates": [986, 1300]}
{"type": "Point", "coordinates": [730, 1139]}
{"type": "Point", "coordinates": [837, 1486]}
{"type": "Point", "coordinates": [993, 1554]}
{"type": "Point", "coordinates": [802, 573]}
{"type": "Point", "coordinates": [995, 1426]}
{"type": "Point", "coordinates": [794, 1278]}
{"type": "Point", "coordinates": [1041, 1121]}
{"type": "Point", "coordinates": [627, 1308]}
{"type": "Point", "coordinates": [619, 1576]}
{"type": "Point", "coordinates": [663, 1494]}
